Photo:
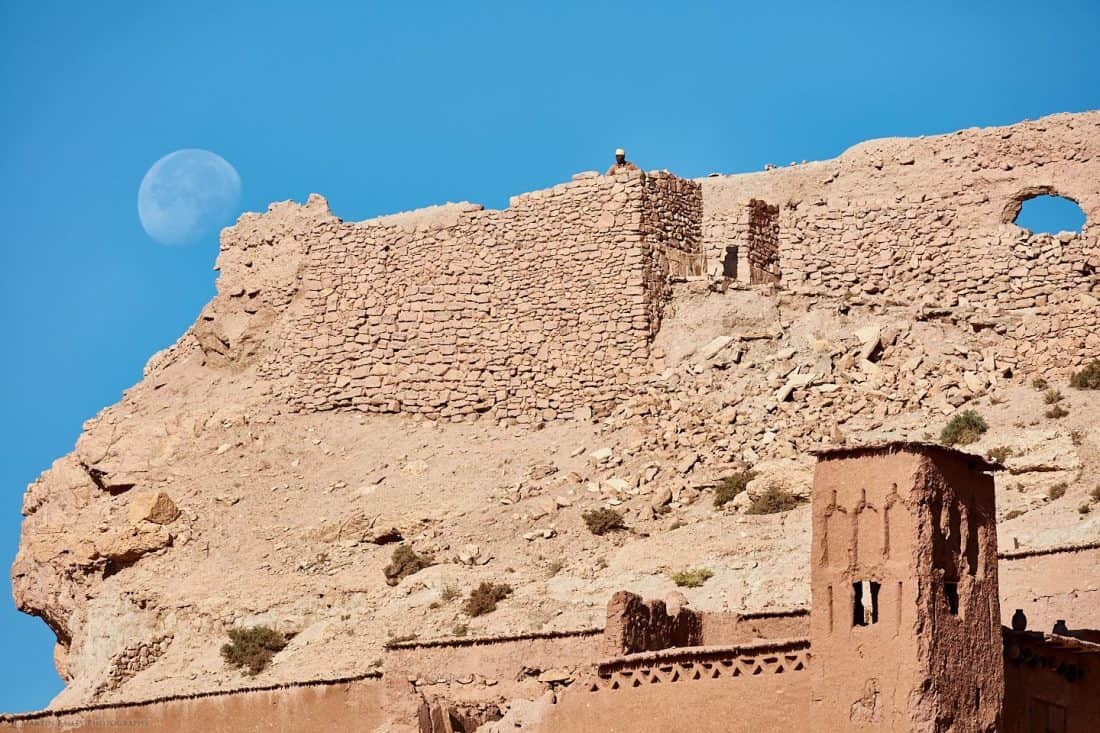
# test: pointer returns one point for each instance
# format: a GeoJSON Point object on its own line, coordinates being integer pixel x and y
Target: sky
{"type": "Point", "coordinates": [385, 107]}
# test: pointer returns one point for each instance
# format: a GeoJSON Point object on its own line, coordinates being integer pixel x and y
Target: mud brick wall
{"type": "Point", "coordinates": [637, 625]}
{"type": "Point", "coordinates": [529, 313]}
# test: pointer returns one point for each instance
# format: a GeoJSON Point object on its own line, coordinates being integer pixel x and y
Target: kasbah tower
{"type": "Point", "coordinates": [905, 618]}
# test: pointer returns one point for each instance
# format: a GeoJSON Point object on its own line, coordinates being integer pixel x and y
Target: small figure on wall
{"type": "Point", "coordinates": [621, 164]}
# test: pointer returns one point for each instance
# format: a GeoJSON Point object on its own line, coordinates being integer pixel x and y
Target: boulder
{"type": "Point", "coordinates": [153, 506]}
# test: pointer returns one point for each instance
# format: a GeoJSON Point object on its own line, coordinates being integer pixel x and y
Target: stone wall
{"type": "Point", "coordinates": [929, 221]}
{"type": "Point", "coordinates": [534, 312]}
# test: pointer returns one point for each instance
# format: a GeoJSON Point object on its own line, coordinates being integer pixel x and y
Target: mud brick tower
{"type": "Point", "coordinates": [905, 620]}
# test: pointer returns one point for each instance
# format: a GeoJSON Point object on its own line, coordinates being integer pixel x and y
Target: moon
{"type": "Point", "coordinates": [187, 195]}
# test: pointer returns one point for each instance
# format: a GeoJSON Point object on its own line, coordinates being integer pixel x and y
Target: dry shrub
{"type": "Point", "coordinates": [1000, 454]}
{"type": "Point", "coordinates": [965, 428]}
{"type": "Point", "coordinates": [1057, 491]}
{"type": "Point", "coordinates": [730, 486]}
{"type": "Point", "coordinates": [692, 578]}
{"type": "Point", "coordinates": [1039, 383]}
{"type": "Point", "coordinates": [773, 501]}
{"type": "Point", "coordinates": [252, 648]}
{"type": "Point", "coordinates": [485, 597]}
{"type": "Point", "coordinates": [1014, 513]}
{"type": "Point", "coordinates": [1056, 412]}
{"type": "Point", "coordinates": [603, 520]}
{"type": "Point", "coordinates": [404, 562]}
{"type": "Point", "coordinates": [1088, 377]}
{"type": "Point", "coordinates": [1052, 396]}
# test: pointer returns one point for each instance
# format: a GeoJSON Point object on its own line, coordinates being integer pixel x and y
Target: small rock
{"type": "Point", "coordinates": [600, 455]}
{"type": "Point", "coordinates": [687, 463]}
{"type": "Point", "coordinates": [555, 676]}
{"type": "Point", "coordinates": [156, 507]}
{"type": "Point", "coordinates": [711, 349]}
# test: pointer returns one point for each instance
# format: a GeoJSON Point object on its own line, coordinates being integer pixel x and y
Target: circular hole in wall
{"type": "Point", "coordinates": [1050, 214]}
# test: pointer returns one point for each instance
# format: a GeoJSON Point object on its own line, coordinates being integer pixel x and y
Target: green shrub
{"type": "Point", "coordinates": [965, 428]}
{"type": "Point", "coordinates": [773, 501]}
{"type": "Point", "coordinates": [1000, 454]}
{"type": "Point", "coordinates": [692, 578]}
{"type": "Point", "coordinates": [1056, 412]}
{"type": "Point", "coordinates": [404, 562]}
{"type": "Point", "coordinates": [1088, 377]}
{"type": "Point", "coordinates": [1052, 396]}
{"type": "Point", "coordinates": [1057, 491]}
{"type": "Point", "coordinates": [730, 486]}
{"type": "Point", "coordinates": [1014, 513]}
{"type": "Point", "coordinates": [603, 520]}
{"type": "Point", "coordinates": [1039, 383]}
{"type": "Point", "coordinates": [485, 597]}
{"type": "Point", "coordinates": [252, 648]}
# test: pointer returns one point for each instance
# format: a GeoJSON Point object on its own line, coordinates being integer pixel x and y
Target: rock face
{"type": "Point", "coordinates": [568, 355]}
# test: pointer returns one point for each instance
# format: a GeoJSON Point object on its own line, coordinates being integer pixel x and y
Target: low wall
{"type": "Point", "coordinates": [721, 629]}
{"type": "Point", "coordinates": [1052, 584]}
{"type": "Point", "coordinates": [501, 668]}
{"type": "Point", "coordinates": [343, 705]}
{"type": "Point", "coordinates": [749, 688]}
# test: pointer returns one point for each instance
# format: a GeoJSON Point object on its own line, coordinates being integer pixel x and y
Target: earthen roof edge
{"type": "Point", "coordinates": [905, 446]}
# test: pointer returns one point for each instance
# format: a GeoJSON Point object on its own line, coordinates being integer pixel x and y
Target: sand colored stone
{"type": "Point", "coordinates": [456, 377]}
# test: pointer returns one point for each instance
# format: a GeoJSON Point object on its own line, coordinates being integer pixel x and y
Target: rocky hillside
{"type": "Point", "coordinates": [198, 503]}
{"type": "Point", "coordinates": [371, 419]}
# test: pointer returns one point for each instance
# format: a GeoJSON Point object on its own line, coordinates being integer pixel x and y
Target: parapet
{"type": "Point", "coordinates": [972, 460]}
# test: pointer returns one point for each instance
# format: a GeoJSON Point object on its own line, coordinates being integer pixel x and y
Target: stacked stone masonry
{"type": "Point", "coordinates": [930, 221]}
{"type": "Point", "coordinates": [547, 309]}
{"type": "Point", "coordinates": [527, 314]}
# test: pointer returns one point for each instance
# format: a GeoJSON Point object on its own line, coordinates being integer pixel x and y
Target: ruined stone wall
{"type": "Point", "coordinates": [529, 313]}
{"type": "Point", "coordinates": [929, 221]}
{"type": "Point", "coordinates": [637, 625]}
{"type": "Point", "coordinates": [672, 218]}
{"type": "Point", "coordinates": [742, 242]}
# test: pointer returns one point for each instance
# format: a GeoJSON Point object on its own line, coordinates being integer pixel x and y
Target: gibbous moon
{"type": "Point", "coordinates": [187, 195]}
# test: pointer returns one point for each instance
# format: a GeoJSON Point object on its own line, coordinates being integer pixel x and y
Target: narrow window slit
{"type": "Point", "coordinates": [865, 603]}
{"type": "Point", "coordinates": [951, 593]}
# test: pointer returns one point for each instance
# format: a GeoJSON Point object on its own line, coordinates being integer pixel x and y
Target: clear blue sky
{"type": "Point", "coordinates": [395, 106]}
